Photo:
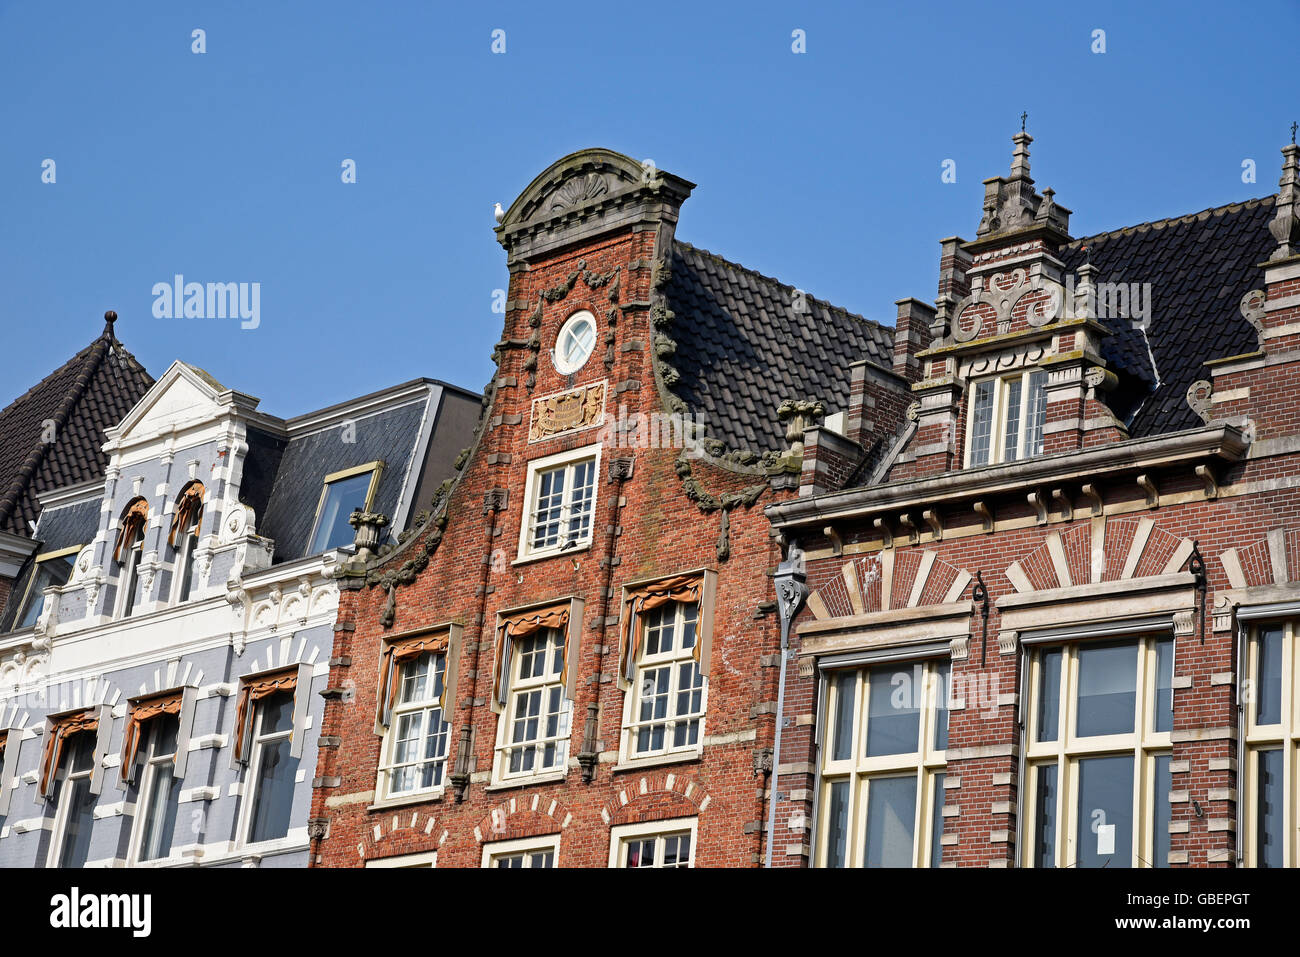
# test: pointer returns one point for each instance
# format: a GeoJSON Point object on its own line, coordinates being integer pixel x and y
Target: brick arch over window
{"type": "Point", "coordinates": [1273, 560]}
{"type": "Point", "coordinates": [889, 580]}
{"type": "Point", "coordinates": [1100, 551]}
{"type": "Point", "coordinates": [402, 832]}
{"type": "Point", "coordinates": [522, 816]}
{"type": "Point", "coordinates": [653, 797]}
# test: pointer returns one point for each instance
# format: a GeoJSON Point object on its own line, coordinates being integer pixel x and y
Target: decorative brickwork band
{"type": "Point", "coordinates": [138, 712]}
{"type": "Point", "coordinates": [684, 588]}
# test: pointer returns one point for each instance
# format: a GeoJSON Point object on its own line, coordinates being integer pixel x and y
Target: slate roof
{"type": "Point", "coordinates": [89, 393]}
{"type": "Point", "coordinates": [60, 527]}
{"type": "Point", "coordinates": [742, 348]}
{"type": "Point", "coordinates": [1199, 267]}
{"type": "Point", "coordinates": [296, 471]}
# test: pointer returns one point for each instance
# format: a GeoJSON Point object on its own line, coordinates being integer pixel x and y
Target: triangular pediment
{"type": "Point", "coordinates": [182, 397]}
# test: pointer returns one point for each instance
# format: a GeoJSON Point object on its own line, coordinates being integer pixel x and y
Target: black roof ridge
{"type": "Point", "coordinates": [784, 285]}
{"type": "Point", "coordinates": [1188, 218]}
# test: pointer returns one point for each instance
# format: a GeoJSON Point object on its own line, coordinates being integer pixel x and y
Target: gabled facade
{"type": "Point", "coordinates": [574, 663]}
{"type": "Point", "coordinates": [1057, 625]}
{"type": "Point", "coordinates": [162, 707]}
{"type": "Point", "coordinates": [51, 437]}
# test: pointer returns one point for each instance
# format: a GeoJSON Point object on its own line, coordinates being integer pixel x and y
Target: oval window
{"type": "Point", "coordinates": [576, 341]}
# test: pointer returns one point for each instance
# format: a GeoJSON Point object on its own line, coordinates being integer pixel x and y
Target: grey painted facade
{"type": "Point", "coordinates": [260, 608]}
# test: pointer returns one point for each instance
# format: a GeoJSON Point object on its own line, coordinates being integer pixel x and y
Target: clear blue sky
{"type": "Point", "coordinates": [822, 169]}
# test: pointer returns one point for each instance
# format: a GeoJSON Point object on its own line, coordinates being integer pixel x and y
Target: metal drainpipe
{"type": "Point", "coordinates": [790, 594]}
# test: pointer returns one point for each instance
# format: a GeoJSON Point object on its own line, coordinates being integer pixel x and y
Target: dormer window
{"type": "Point", "coordinates": [1005, 418]}
{"type": "Point", "coordinates": [187, 519]}
{"type": "Point", "coordinates": [52, 568]}
{"type": "Point", "coordinates": [344, 493]}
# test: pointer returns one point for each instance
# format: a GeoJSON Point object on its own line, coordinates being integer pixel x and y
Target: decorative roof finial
{"type": "Point", "coordinates": [110, 317]}
{"type": "Point", "coordinates": [1025, 116]}
{"type": "Point", "coordinates": [1285, 225]}
{"type": "Point", "coordinates": [1293, 128]}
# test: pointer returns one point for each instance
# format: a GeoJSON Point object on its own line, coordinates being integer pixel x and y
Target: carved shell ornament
{"type": "Point", "coordinates": [579, 190]}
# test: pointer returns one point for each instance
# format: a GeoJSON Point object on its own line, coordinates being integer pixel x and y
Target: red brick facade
{"type": "Point", "coordinates": [1099, 542]}
{"type": "Point", "coordinates": [654, 517]}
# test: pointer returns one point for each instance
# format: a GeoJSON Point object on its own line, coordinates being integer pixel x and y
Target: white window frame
{"type": "Point", "coordinates": [623, 834]}
{"type": "Point", "coordinates": [567, 460]}
{"type": "Point", "coordinates": [427, 705]}
{"type": "Point", "coordinates": [257, 740]}
{"type": "Point", "coordinates": [129, 577]}
{"type": "Point", "coordinates": [376, 470]}
{"type": "Point", "coordinates": [998, 416]}
{"type": "Point", "coordinates": [495, 850]}
{"type": "Point", "coordinates": [925, 764]}
{"type": "Point", "coordinates": [549, 680]}
{"type": "Point", "coordinates": [148, 781]}
{"type": "Point", "coordinates": [403, 861]}
{"type": "Point", "coordinates": [1284, 737]}
{"type": "Point", "coordinates": [1144, 745]}
{"type": "Point", "coordinates": [562, 365]}
{"type": "Point", "coordinates": [30, 594]}
{"type": "Point", "coordinates": [672, 660]}
{"type": "Point", "coordinates": [61, 812]}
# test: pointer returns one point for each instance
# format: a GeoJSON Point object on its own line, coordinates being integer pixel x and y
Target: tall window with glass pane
{"type": "Point", "coordinates": [883, 759]}
{"type": "Point", "coordinates": [562, 506]}
{"type": "Point", "coordinates": [272, 771]}
{"type": "Point", "coordinates": [47, 572]}
{"type": "Point", "coordinates": [667, 705]}
{"type": "Point", "coordinates": [535, 736]}
{"type": "Point", "coordinates": [1272, 747]}
{"type": "Point", "coordinates": [542, 857]}
{"type": "Point", "coordinates": [159, 790]}
{"type": "Point", "coordinates": [1097, 754]}
{"type": "Point", "coordinates": [1005, 418]}
{"type": "Point", "coordinates": [416, 745]}
{"type": "Point", "coordinates": [75, 814]}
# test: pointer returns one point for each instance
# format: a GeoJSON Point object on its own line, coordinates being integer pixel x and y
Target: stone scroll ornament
{"type": "Point", "coordinates": [1004, 292]}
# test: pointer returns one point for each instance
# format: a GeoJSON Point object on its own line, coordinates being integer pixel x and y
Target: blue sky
{"type": "Point", "coordinates": [822, 168]}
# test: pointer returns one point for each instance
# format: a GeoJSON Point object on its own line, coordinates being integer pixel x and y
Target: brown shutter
{"type": "Point", "coordinates": [138, 712]}
{"type": "Point", "coordinates": [520, 626]}
{"type": "Point", "coordinates": [189, 509]}
{"type": "Point", "coordinates": [396, 653]}
{"type": "Point", "coordinates": [683, 588]}
{"type": "Point", "coordinates": [62, 728]}
{"type": "Point", "coordinates": [251, 692]}
{"type": "Point", "coordinates": [131, 527]}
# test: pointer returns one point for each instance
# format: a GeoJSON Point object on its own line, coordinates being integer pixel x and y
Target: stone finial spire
{"type": "Point", "coordinates": [1011, 203]}
{"type": "Point", "coordinates": [1020, 157]}
{"type": "Point", "coordinates": [1285, 225]}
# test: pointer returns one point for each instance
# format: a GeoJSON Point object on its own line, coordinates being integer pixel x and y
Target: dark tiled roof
{"type": "Point", "coordinates": [91, 392]}
{"type": "Point", "coordinates": [300, 468]}
{"type": "Point", "coordinates": [742, 348]}
{"type": "Point", "coordinates": [1199, 267]}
